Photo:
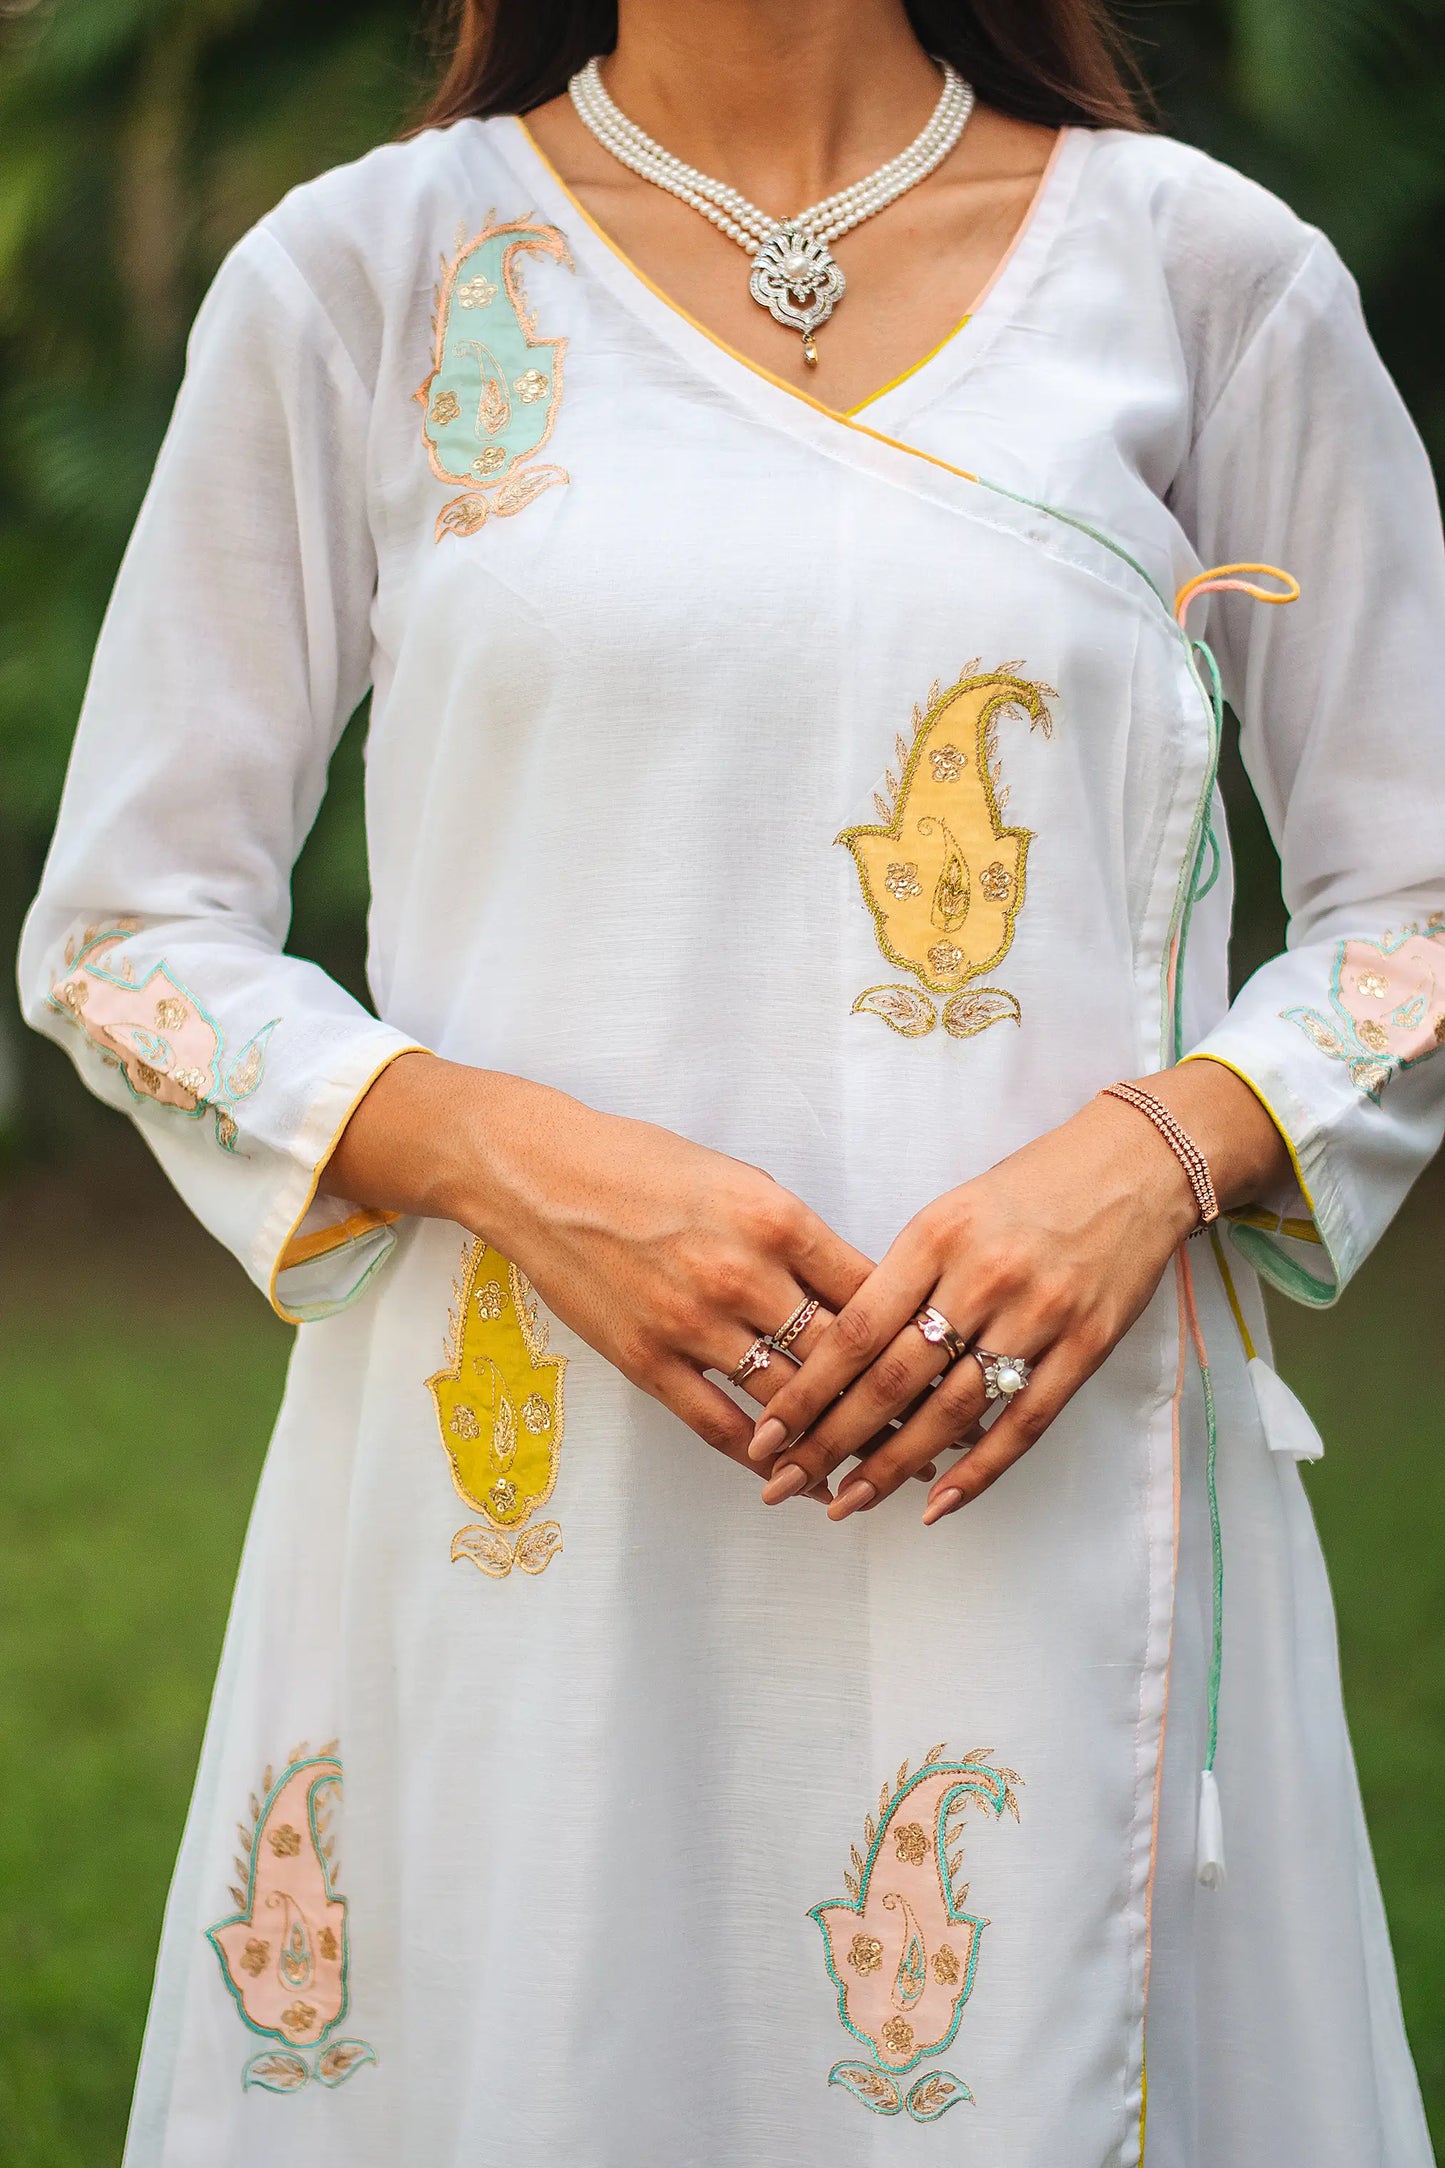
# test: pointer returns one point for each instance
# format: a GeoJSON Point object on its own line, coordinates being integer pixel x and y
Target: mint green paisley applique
{"type": "Point", "coordinates": [495, 389]}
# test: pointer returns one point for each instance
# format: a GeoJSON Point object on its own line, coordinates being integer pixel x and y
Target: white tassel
{"type": "Point", "coordinates": [1287, 1427]}
{"type": "Point", "coordinates": [1209, 1857]}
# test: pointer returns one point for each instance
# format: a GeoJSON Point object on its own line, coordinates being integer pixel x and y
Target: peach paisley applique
{"type": "Point", "coordinates": [1387, 1000]}
{"type": "Point", "coordinates": [499, 1409]}
{"type": "Point", "coordinates": [901, 1951]}
{"type": "Point", "coordinates": [940, 871]}
{"type": "Point", "coordinates": [494, 392]}
{"type": "Point", "coordinates": [285, 1952]}
{"type": "Point", "coordinates": [165, 1044]}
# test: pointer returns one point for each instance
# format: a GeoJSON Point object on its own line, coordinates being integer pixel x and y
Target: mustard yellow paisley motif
{"type": "Point", "coordinates": [499, 1410]}
{"type": "Point", "coordinates": [941, 872]}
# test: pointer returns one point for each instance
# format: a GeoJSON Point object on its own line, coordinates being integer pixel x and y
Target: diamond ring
{"type": "Point", "coordinates": [757, 1357]}
{"type": "Point", "coordinates": [937, 1331]}
{"type": "Point", "coordinates": [798, 1323]}
{"type": "Point", "coordinates": [1004, 1376]}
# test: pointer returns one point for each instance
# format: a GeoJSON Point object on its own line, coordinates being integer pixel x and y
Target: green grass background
{"type": "Point", "coordinates": [138, 1379]}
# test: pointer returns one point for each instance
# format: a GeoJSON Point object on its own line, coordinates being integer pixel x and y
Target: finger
{"type": "Point", "coordinates": [890, 1384]}
{"type": "Point", "coordinates": [861, 1331]}
{"type": "Point", "coordinates": [707, 1411]}
{"type": "Point", "coordinates": [823, 1261]}
{"type": "Point", "coordinates": [947, 1416]}
{"type": "Point", "coordinates": [1055, 1379]}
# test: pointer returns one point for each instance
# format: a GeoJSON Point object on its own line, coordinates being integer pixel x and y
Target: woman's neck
{"type": "Point", "coordinates": [785, 99]}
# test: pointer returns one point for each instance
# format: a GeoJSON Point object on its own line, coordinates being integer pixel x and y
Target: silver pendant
{"type": "Point", "coordinates": [796, 280]}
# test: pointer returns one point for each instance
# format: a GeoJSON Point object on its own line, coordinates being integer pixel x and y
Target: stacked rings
{"type": "Point", "coordinates": [798, 1323]}
{"type": "Point", "coordinates": [758, 1357]}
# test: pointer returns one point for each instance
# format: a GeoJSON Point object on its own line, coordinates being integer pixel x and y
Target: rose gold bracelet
{"type": "Point", "coordinates": [1180, 1143]}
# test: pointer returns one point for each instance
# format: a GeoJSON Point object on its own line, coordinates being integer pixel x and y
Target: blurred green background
{"type": "Point", "coordinates": [138, 139]}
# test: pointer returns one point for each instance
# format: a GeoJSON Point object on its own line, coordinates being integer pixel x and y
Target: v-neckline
{"type": "Point", "coordinates": [952, 357]}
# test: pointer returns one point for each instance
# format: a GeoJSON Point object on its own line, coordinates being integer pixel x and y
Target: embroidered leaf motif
{"type": "Point", "coordinates": [538, 1546]}
{"type": "Point", "coordinates": [934, 2095]}
{"type": "Point", "coordinates": [1371, 1076]}
{"type": "Point", "coordinates": [876, 2090]}
{"type": "Point", "coordinates": [884, 809]}
{"type": "Point", "coordinates": [504, 1427]}
{"type": "Point", "coordinates": [951, 896]}
{"type": "Point", "coordinates": [900, 746]}
{"type": "Point", "coordinates": [1326, 1038]}
{"type": "Point", "coordinates": [850, 1883]}
{"type": "Point", "coordinates": [238, 1898]}
{"type": "Point", "coordinates": [892, 781]}
{"type": "Point", "coordinates": [342, 2058]}
{"type": "Point", "coordinates": [967, 1014]}
{"type": "Point", "coordinates": [903, 1008]}
{"type": "Point", "coordinates": [485, 1548]}
{"type": "Point", "coordinates": [277, 2070]}
{"type": "Point", "coordinates": [935, 1753]}
{"type": "Point", "coordinates": [979, 1754]}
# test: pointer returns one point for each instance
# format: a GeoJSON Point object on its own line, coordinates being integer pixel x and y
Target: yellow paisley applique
{"type": "Point", "coordinates": [494, 392]}
{"type": "Point", "coordinates": [499, 1408]}
{"type": "Point", "coordinates": [941, 872]}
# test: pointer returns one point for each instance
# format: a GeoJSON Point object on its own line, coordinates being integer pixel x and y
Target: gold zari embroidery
{"type": "Point", "coordinates": [946, 913]}
{"type": "Point", "coordinates": [499, 1409]}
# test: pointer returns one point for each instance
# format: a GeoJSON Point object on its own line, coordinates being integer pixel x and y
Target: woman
{"type": "Point", "coordinates": [781, 841]}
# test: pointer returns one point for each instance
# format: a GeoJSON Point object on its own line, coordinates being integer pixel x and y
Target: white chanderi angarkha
{"type": "Point", "coordinates": [755, 770]}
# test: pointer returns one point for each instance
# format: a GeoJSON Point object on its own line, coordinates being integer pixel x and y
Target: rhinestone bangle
{"type": "Point", "coordinates": [1180, 1143]}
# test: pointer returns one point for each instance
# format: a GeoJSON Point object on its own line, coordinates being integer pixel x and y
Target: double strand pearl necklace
{"type": "Point", "coordinates": [794, 276]}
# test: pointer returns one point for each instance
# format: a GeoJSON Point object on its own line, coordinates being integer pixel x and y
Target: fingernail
{"type": "Point", "coordinates": [785, 1484]}
{"type": "Point", "coordinates": [768, 1436]}
{"type": "Point", "coordinates": [947, 1501]}
{"type": "Point", "coordinates": [848, 1500]}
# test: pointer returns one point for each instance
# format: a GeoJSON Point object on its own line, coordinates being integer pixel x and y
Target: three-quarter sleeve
{"type": "Point", "coordinates": [1309, 460]}
{"type": "Point", "coordinates": [235, 646]}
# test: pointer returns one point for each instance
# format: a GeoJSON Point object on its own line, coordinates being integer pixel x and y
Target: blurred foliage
{"type": "Point", "coordinates": [140, 138]}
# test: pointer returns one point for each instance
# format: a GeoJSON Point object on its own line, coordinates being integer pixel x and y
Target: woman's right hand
{"type": "Point", "coordinates": [669, 1259]}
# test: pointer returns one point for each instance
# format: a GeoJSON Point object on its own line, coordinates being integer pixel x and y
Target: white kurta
{"type": "Point", "coordinates": [734, 766]}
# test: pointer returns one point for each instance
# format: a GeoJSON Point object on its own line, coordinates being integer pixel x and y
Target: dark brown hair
{"type": "Point", "coordinates": [1051, 61]}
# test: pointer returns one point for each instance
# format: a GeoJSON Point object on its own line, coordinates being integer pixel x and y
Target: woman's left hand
{"type": "Point", "coordinates": [1050, 1256]}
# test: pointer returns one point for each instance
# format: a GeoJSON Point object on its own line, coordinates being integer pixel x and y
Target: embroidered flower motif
{"type": "Point", "coordinates": [901, 1950]}
{"type": "Point", "coordinates": [940, 872]}
{"type": "Point", "coordinates": [468, 397]}
{"type": "Point", "coordinates": [489, 1300]}
{"type": "Point", "coordinates": [187, 1069]}
{"type": "Point", "coordinates": [911, 1843]}
{"type": "Point", "coordinates": [294, 1991]}
{"type": "Point", "coordinates": [1387, 1000]}
{"type": "Point", "coordinates": [502, 1428]}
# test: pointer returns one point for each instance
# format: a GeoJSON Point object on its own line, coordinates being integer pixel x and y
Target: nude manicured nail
{"type": "Point", "coordinates": [767, 1438]}
{"type": "Point", "coordinates": [785, 1484]}
{"type": "Point", "coordinates": [853, 1495]}
{"type": "Point", "coordinates": [947, 1501]}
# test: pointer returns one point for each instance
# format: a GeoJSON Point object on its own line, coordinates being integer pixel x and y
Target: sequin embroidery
{"type": "Point", "coordinates": [946, 912]}
{"type": "Point", "coordinates": [285, 1952]}
{"type": "Point", "coordinates": [1387, 1005]}
{"type": "Point", "coordinates": [167, 1047]}
{"type": "Point", "coordinates": [499, 1409]}
{"type": "Point", "coordinates": [488, 410]}
{"type": "Point", "coordinates": [901, 1951]}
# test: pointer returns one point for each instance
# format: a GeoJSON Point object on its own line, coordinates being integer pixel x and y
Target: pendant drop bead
{"type": "Point", "coordinates": [794, 276]}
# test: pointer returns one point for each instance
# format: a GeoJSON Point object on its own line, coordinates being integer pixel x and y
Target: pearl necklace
{"type": "Point", "coordinates": [794, 276]}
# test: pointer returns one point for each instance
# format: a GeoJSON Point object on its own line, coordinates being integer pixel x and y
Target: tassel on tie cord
{"type": "Point", "coordinates": [1209, 1846]}
{"type": "Point", "coordinates": [1209, 1851]}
